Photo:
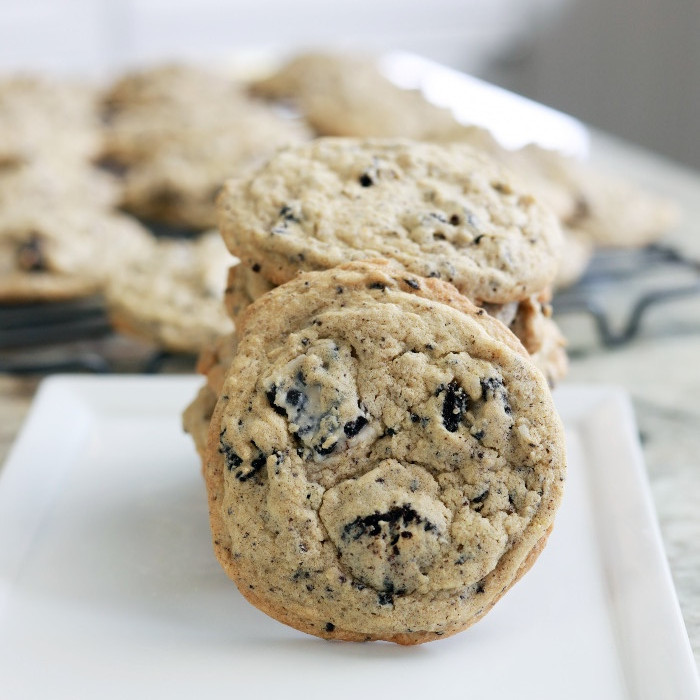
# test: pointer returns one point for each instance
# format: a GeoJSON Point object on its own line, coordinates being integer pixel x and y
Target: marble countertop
{"type": "Point", "coordinates": [659, 368]}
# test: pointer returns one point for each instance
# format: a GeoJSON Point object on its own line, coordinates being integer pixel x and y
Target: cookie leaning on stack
{"type": "Point", "coordinates": [384, 460]}
{"type": "Point", "coordinates": [443, 211]}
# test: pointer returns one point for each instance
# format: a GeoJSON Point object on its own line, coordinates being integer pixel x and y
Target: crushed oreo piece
{"type": "Point", "coordinates": [455, 405]}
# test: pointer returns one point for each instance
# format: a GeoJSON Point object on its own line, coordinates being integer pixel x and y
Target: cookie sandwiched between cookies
{"type": "Point", "coordinates": [384, 460]}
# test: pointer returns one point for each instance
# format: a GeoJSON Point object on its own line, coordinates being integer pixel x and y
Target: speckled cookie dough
{"type": "Point", "coordinates": [346, 95]}
{"type": "Point", "coordinates": [173, 297]}
{"type": "Point", "coordinates": [440, 211]}
{"type": "Point", "coordinates": [384, 460]}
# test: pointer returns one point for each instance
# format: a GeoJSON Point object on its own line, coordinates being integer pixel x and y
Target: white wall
{"type": "Point", "coordinates": [631, 67]}
{"type": "Point", "coordinates": [99, 36]}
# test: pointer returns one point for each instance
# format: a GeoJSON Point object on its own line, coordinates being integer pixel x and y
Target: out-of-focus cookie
{"type": "Point", "coordinates": [49, 183]}
{"type": "Point", "coordinates": [615, 213]}
{"type": "Point", "coordinates": [530, 319]}
{"type": "Point", "coordinates": [64, 253]}
{"type": "Point", "coordinates": [346, 95]}
{"type": "Point", "coordinates": [440, 211]}
{"type": "Point", "coordinates": [170, 84]}
{"type": "Point", "coordinates": [384, 460]}
{"type": "Point", "coordinates": [173, 297]}
{"type": "Point", "coordinates": [41, 116]}
{"type": "Point", "coordinates": [177, 152]}
{"type": "Point", "coordinates": [606, 209]}
{"type": "Point", "coordinates": [578, 251]}
{"type": "Point", "coordinates": [543, 172]}
{"type": "Point", "coordinates": [178, 182]}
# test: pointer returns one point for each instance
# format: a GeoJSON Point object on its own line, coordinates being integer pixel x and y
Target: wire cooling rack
{"type": "Point", "coordinates": [621, 286]}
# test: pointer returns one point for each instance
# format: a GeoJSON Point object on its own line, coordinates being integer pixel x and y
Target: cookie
{"type": "Point", "coordinates": [40, 116]}
{"type": "Point", "coordinates": [177, 157]}
{"type": "Point", "coordinates": [578, 252]}
{"type": "Point", "coordinates": [213, 362]}
{"type": "Point", "coordinates": [169, 84]}
{"type": "Point", "coordinates": [172, 297]}
{"type": "Point", "coordinates": [530, 319]}
{"type": "Point", "coordinates": [47, 183]}
{"type": "Point", "coordinates": [244, 286]}
{"type": "Point", "coordinates": [617, 214]}
{"type": "Point", "coordinates": [65, 253]}
{"type": "Point", "coordinates": [545, 172]}
{"type": "Point", "coordinates": [196, 419]}
{"type": "Point", "coordinates": [345, 95]}
{"type": "Point", "coordinates": [603, 208]}
{"type": "Point", "coordinates": [439, 211]}
{"type": "Point", "coordinates": [384, 460]}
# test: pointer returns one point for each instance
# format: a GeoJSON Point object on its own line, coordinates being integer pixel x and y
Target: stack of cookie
{"type": "Point", "coordinates": [382, 455]}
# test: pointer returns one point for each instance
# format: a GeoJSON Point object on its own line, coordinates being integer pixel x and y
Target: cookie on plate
{"type": "Point", "coordinates": [384, 460]}
{"type": "Point", "coordinates": [440, 211]}
{"type": "Point", "coordinates": [530, 319]}
{"type": "Point", "coordinates": [244, 286]}
{"type": "Point", "coordinates": [173, 297]}
{"type": "Point", "coordinates": [346, 95]}
{"type": "Point", "coordinates": [605, 209]}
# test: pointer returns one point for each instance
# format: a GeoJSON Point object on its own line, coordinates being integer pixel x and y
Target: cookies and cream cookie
{"type": "Point", "coordinates": [63, 253]}
{"type": "Point", "coordinates": [177, 155]}
{"type": "Point", "coordinates": [173, 297]}
{"type": "Point", "coordinates": [170, 84]}
{"type": "Point", "coordinates": [41, 116]}
{"type": "Point", "coordinates": [439, 211]}
{"type": "Point", "coordinates": [346, 95]}
{"type": "Point", "coordinates": [49, 183]}
{"type": "Point", "coordinates": [530, 319]}
{"type": "Point", "coordinates": [578, 252]}
{"type": "Point", "coordinates": [614, 213]}
{"type": "Point", "coordinates": [384, 460]}
{"type": "Point", "coordinates": [178, 181]}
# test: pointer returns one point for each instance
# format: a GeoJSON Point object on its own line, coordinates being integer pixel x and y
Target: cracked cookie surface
{"type": "Point", "coordinates": [442, 211]}
{"type": "Point", "coordinates": [384, 460]}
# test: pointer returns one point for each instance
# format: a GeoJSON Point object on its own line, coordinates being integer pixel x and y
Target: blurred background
{"type": "Point", "coordinates": [630, 67]}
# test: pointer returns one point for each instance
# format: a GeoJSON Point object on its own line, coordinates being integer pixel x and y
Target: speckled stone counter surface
{"type": "Point", "coordinates": [660, 368]}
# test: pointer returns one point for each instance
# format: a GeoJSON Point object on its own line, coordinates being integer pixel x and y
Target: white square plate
{"type": "Point", "coordinates": [109, 587]}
